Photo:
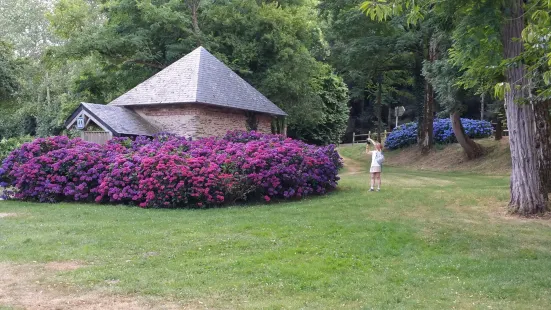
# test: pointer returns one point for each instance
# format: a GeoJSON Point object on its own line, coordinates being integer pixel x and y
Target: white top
{"type": "Point", "coordinates": [374, 162]}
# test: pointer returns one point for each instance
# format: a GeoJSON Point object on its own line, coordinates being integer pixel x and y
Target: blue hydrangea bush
{"type": "Point", "coordinates": [406, 134]}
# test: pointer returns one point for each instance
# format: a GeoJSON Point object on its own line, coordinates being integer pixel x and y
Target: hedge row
{"type": "Point", "coordinates": [8, 145]}
{"type": "Point", "coordinates": [168, 171]}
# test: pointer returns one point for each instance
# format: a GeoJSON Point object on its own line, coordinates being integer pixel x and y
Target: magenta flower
{"type": "Point", "coordinates": [168, 171]}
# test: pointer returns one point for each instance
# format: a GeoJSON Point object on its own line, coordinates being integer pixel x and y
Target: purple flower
{"type": "Point", "coordinates": [170, 171]}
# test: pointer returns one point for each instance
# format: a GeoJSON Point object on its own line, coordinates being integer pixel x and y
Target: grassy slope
{"type": "Point", "coordinates": [496, 161]}
{"type": "Point", "coordinates": [428, 241]}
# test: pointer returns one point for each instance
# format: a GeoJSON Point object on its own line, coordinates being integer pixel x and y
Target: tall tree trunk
{"type": "Point", "coordinates": [419, 91]}
{"type": "Point", "coordinates": [194, 7]}
{"type": "Point", "coordinates": [379, 108]}
{"type": "Point", "coordinates": [389, 119]}
{"type": "Point", "coordinates": [426, 140]}
{"type": "Point", "coordinates": [499, 129]}
{"type": "Point", "coordinates": [543, 138]}
{"type": "Point", "coordinates": [528, 194]}
{"type": "Point", "coordinates": [482, 99]}
{"type": "Point", "coordinates": [48, 97]}
{"type": "Point", "coordinates": [472, 149]}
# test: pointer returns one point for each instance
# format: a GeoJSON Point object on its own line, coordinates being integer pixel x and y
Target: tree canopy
{"type": "Point", "coordinates": [335, 66]}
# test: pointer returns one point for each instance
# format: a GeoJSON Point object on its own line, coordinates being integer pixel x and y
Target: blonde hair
{"type": "Point", "coordinates": [378, 146]}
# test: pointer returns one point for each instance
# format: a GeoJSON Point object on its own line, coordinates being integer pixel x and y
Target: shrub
{"type": "Point", "coordinates": [168, 171]}
{"type": "Point", "coordinates": [8, 145]}
{"type": "Point", "coordinates": [67, 174]}
{"type": "Point", "coordinates": [330, 125]}
{"type": "Point", "coordinates": [402, 136]}
{"type": "Point", "coordinates": [33, 149]}
{"type": "Point", "coordinates": [406, 135]}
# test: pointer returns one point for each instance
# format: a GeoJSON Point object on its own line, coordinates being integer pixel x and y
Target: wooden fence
{"type": "Point", "coordinates": [100, 137]}
{"type": "Point", "coordinates": [504, 131]}
{"type": "Point", "coordinates": [362, 138]}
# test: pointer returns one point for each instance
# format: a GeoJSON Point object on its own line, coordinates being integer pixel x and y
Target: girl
{"type": "Point", "coordinates": [375, 167]}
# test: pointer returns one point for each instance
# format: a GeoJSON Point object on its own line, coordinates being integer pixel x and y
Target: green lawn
{"type": "Point", "coordinates": [427, 241]}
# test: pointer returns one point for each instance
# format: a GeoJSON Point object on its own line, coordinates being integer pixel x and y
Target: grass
{"type": "Point", "coordinates": [429, 240]}
{"type": "Point", "coordinates": [445, 158]}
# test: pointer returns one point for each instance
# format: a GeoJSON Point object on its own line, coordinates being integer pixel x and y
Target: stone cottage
{"type": "Point", "coordinates": [196, 96]}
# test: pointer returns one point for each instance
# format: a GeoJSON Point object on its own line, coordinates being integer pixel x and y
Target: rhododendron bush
{"type": "Point", "coordinates": [169, 171]}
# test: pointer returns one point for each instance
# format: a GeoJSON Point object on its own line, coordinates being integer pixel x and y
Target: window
{"type": "Point", "coordinates": [80, 122]}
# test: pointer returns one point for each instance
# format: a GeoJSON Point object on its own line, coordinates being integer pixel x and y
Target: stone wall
{"type": "Point", "coordinates": [264, 123]}
{"type": "Point", "coordinates": [180, 120]}
{"type": "Point", "coordinates": [193, 120]}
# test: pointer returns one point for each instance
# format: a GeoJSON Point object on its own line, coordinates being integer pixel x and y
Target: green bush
{"type": "Point", "coordinates": [330, 128]}
{"type": "Point", "coordinates": [8, 145]}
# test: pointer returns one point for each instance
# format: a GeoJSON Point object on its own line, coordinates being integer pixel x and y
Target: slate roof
{"type": "Point", "coordinates": [119, 120]}
{"type": "Point", "coordinates": [198, 77]}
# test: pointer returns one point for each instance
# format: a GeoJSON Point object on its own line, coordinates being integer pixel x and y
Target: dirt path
{"type": "Point", "coordinates": [2, 215]}
{"type": "Point", "coordinates": [352, 166]}
{"type": "Point", "coordinates": [23, 286]}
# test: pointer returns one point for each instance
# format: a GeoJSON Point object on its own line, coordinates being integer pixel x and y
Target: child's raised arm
{"type": "Point", "coordinates": [367, 150]}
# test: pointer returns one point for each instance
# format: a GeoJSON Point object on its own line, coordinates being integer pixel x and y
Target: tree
{"type": "Point", "coordinates": [8, 72]}
{"type": "Point", "coordinates": [194, 8]}
{"type": "Point", "coordinates": [443, 76]}
{"type": "Point", "coordinates": [332, 125]}
{"type": "Point", "coordinates": [375, 59]}
{"type": "Point", "coordinates": [24, 24]}
{"type": "Point", "coordinates": [426, 139]}
{"type": "Point", "coordinates": [528, 191]}
{"type": "Point", "coordinates": [272, 46]}
{"type": "Point", "coordinates": [426, 50]}
{"type": "Point", "coordinates": [536, 55]}
{"type": "Point", "coordinates": [43, 87]}
{"type": "Point", "coordinates": [477, 53]}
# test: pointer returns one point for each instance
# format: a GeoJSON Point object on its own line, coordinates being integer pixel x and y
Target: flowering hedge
{"type": "Point", "coordinates": [8, 145]}
{"type": "Point", "coordinates": [168, 171]}
{"type": "Point", "coordinates": [406, 134]}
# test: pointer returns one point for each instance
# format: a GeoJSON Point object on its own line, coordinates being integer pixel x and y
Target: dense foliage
{"type": "Point", "coordinates": [8, 145]}
{"type": "Point", "coordinates": [406, 135]}
{"type": "Point", "coordinates": [93, 51]}
{"type": "Point", "coordinates": [168, 171]}
{"type": "Point", "coordinates": [331, 126]}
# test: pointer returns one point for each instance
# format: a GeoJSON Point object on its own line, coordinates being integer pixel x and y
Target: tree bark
{"type": "Point", "coordinates": [482, 99]}
{"type": "Point", "coordinates": [499, 129]}
{"type": "Point", "coordinates": [379, 108]}
{"type": "Point", "coordinates": [426, 135]}
{"type": "Point", "coordinates": [419, 84]}
{"type": "Point", "coordinates": [48, 97]}
{"type": "Point", "coordinates": [389, 118]}
{"type": "Point", "coordinates": [426, 139]}
{"type": "Point", "coordinates": [543, 138]}
{"type": "Point", "coordinates": [194, 7]}
{"type": "Point", "coordinates": [472, 149]}
{"type": "Point", "coordinates": [528, 194]}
